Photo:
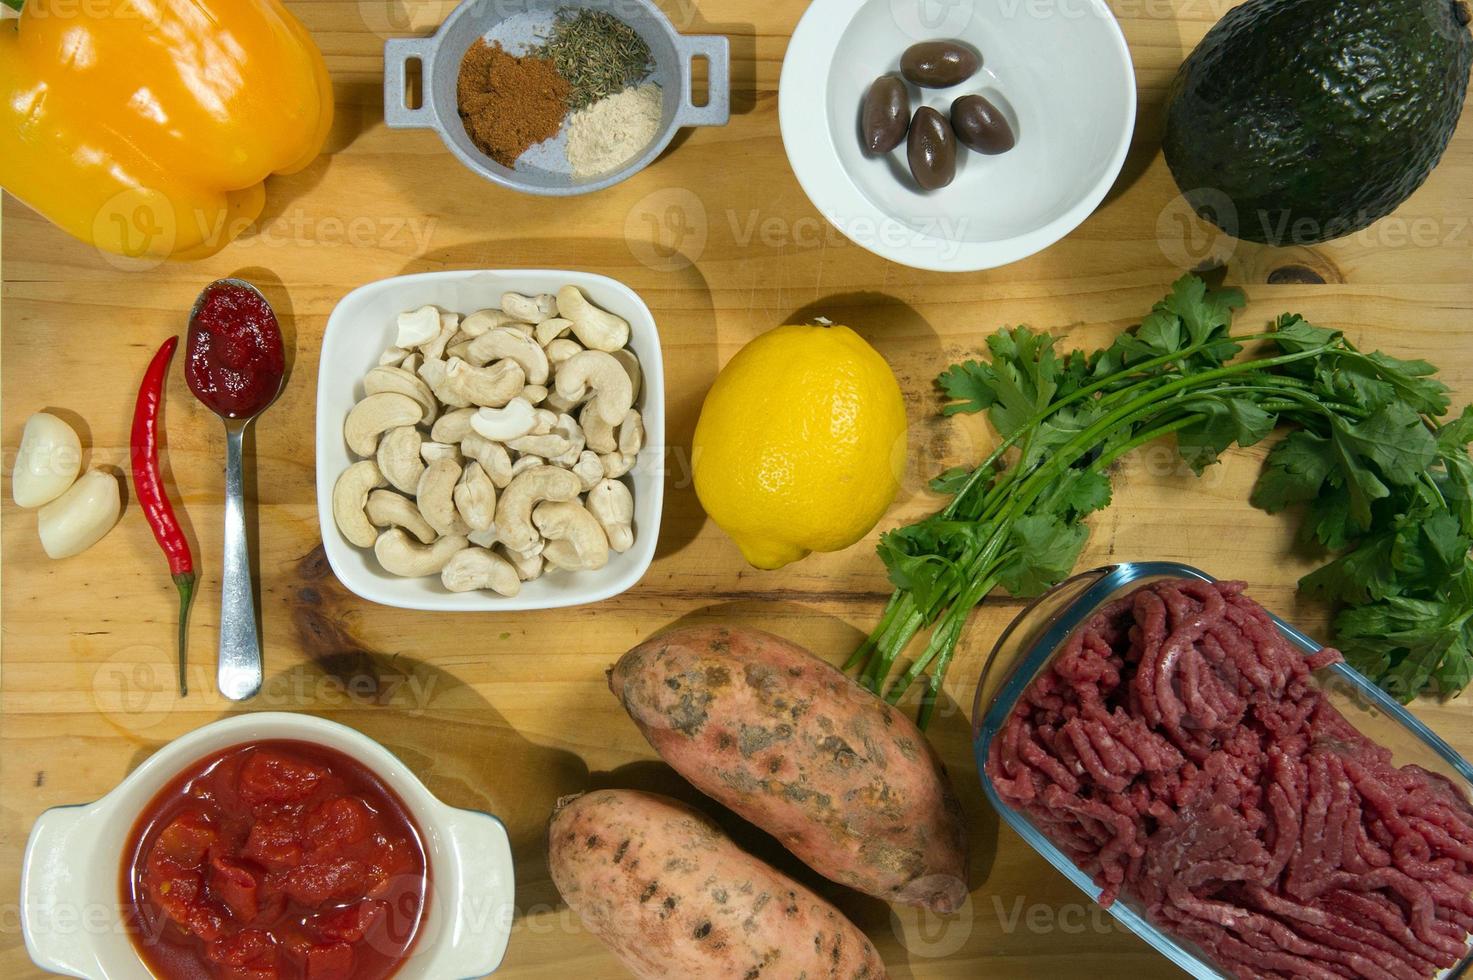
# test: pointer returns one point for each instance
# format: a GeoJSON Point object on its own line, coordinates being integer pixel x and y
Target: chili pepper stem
{"type": "Point", "coordinates": [185, 583]}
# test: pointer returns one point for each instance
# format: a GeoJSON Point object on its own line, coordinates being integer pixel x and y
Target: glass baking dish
{"type": "Point", "coordinates": [1027, 646]}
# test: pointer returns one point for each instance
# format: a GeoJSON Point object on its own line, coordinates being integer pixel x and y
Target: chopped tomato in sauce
{"type": "Point", "coordinates": [275, 860]}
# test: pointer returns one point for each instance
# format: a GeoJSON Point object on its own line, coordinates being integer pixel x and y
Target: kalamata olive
{"type": "Point", "coordinates": [885, 115]}
{"type": "Point", "coordinates": [932, 149]}
{"type": "Point", "coordinates": [939, 64]}
{"type": "Point", "coordinates": [979, 125]}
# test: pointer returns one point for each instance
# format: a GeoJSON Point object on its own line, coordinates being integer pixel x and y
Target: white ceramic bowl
{"type": "Point", "coordinates": [1058, 69]}
{"type": "Point", "coordinates": [363, 325]}
{"type": "Point", "coordinates": [71, 903]}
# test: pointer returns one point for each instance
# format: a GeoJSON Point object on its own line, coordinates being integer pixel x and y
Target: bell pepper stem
{"type": "Point", "coordinates": [185, 583]}
{"type": "Point", "coordinates": [14, 4]}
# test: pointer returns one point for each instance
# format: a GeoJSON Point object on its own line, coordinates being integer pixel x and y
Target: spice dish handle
{"type": "Point", "coordinates": [398, 52]}
{"type": "Point", "coordinates": [716, 49]}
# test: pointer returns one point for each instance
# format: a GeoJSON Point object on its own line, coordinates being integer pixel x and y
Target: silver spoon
{"type": "Point", "coordinates": [240, 671]}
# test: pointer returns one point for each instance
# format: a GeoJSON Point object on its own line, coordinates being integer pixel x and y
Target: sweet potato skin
{"type": "Point", "coordinates": [844, 780]}
{"type": "Point", "coordinates": [673, 898]}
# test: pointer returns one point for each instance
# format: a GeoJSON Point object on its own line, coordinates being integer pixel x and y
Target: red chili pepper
{"type": "Point", "coordinates": [148, 484]}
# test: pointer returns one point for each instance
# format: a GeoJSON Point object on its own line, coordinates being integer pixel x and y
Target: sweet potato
{"type": "Point", "coordinates": [672, 897]}
{"type": "Point", "coordinates": [843, 779]}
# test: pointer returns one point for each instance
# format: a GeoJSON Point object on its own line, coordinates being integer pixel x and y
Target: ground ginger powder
{"type": "Point", "coordinates": [509, 104]}
{"type": "Point", "coordinates": [614, 130]}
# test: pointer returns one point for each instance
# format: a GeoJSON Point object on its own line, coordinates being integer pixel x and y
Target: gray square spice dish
{"type": "Point", "coordinates": [544, 169]}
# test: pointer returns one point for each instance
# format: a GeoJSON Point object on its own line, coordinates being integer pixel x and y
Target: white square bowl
{"type": "Point", "coordinates": [363, 324]}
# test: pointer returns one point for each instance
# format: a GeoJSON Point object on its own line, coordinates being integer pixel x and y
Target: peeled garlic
{"type": "Point", "coordinates": [79, 518]}
{"type": "Point", "coordinates": [49, 459]}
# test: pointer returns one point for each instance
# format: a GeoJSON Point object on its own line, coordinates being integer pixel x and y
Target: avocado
{"type": "Point", "coordinates": [1299, 121]}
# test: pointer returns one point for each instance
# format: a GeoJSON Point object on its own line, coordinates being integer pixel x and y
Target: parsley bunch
{"type": "Point", "coordinates": [1385, 488]}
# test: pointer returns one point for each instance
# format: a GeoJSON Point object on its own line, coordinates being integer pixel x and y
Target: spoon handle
{"type": "Point", "coordinates": [240, 671]}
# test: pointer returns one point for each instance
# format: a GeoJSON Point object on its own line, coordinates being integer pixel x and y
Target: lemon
{"type": "Point", "coordinates": [801, 443]}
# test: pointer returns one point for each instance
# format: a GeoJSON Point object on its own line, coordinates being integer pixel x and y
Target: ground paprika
{"type": "Point", "coordinates": [509, 104]}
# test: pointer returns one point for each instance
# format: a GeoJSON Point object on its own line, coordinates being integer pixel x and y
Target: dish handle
{"type": "Point", "coordinates": [716, 49]}
{"type": "Point", "coordinates": [482, 915]}
{"type": "Point", "coordinates": [398, 52]}
{"type": "Point", "coordinates": [55, 906]}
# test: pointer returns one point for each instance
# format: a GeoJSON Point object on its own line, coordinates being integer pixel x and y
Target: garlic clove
{"type": "Point", "coordinates": [49, 459]}
{"type": "Point", "coordinates": [79, 518]}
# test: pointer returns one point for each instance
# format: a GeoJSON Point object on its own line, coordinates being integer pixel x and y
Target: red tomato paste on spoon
{"type": "Point", "coordinates": [235, 358]}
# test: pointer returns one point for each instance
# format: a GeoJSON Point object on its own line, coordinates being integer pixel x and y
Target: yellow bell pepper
{"type": "Point", "coordinates": [147, 127]}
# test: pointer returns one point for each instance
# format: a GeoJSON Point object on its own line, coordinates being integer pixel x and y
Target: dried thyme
{"type": "Point", "coordinates": [597, 53]}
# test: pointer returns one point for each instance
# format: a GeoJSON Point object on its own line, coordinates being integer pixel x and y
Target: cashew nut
{"type": "Point", "coordinates": [453, 426]}
{"type": "Point", "coordinates": [384, 378]}
{"type": "Point", "coordinates": [79, 518]}
{"type": "Point", "coordinates": [477, 568]}
{"type": "Point", "coordinates": [516, 418]}
{"type": "Point", "coordinates": [434, 350]}
{"type": "Point", "coordinates": [595, 370]}
{"type": "Point", "coordinates": [617, 464]}
{"type": "Point", "coordinates": [487, 387]}
{"type": "Point", "coordinates": [612, 505]}
{"type": "Point", "coordinates": [374, 416]}
{"type": "Point", "coordinates": [48, 461]}
{"type": "Point", "coordinates": [350, 496]}
{"type": "Point", "coordinates": [631, 434]}
{"type": "Point", "coordinates": [392, 357]}
{"type": "Point", "coordinates": [596, 329]}
{"type": "Point", "coordinates": [549, 330]}
{"type": "Point", "coordinates": [530, 309]}
{"type": "Point", "coordinates": [435, 496]}
{"type": "Point", "coordinates": [535, 394]}
{"type": "Point", "coordinates": [598, 434]}
{"type": "Point", "coordinates": [436, 374]}
{"type": "Point", "coordinates": [630, 362]}
{"type": "Point", "coordinates": [483, 320]}
{"type": "Point", "coordinates": [484, 539]}
{"type": "Point", "coordinates": [525, 463]}
{"type": "Point", "coordinates": [412, 362]}
{"type": "Point", "coordinates": [399, 554]}
{"type": "Point", "coordinates": [389, 509]}
{"type": "Point", "coordinates": [503, 343]}
{"type": "Point", "coordinates": [514, 512]}
{"type": "Point", "coordinates": [431, 451]}
{"type": "Point", "coordinates": [492, 456]}
{"type": "Point", "coordinates": [528, 566]}
{"type": "Point", "coordinates": [475, 498]}
{"type": "Point", "coordinates": [418, 327]}
{"type": "Point", "coordinates": [575, 541]}
{"type": "Point", "coordinates": [589, 469]}
{"type": "Point", "coordinates": [399, 460]}
{"type": "Point", "coordinates": [561, 349]}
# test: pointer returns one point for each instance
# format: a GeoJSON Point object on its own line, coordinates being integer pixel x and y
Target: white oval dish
{"type": "Point", "coordinates": [1059, 70]}
{"type": "Point", "coordinates": [71, 905]}
{"type": "Point", "coordinates": [363, 324]}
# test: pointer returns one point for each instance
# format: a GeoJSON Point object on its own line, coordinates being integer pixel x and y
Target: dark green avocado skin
{"type": "Point", "coordinates": [1298, 121]}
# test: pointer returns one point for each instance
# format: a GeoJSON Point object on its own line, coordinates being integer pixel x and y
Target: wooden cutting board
{"type": "Point", "coordinates": [508, 712]}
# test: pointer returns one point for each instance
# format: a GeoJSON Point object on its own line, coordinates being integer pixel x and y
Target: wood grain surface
{"type": "Point", "coordinates": [509, 712]}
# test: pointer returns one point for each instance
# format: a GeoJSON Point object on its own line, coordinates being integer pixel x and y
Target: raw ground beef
{"type": "Point", "coordinates": [1177, 750]}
